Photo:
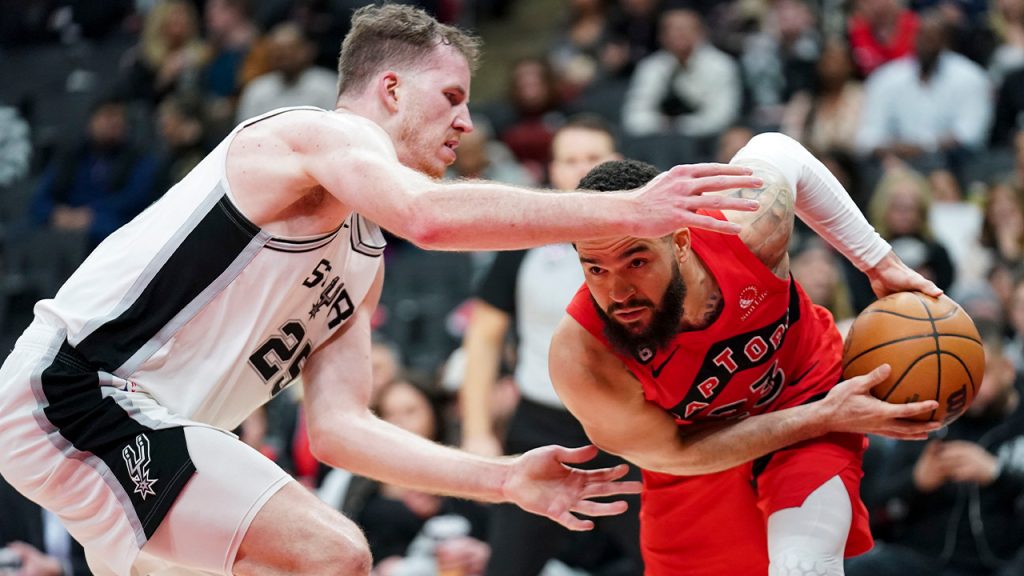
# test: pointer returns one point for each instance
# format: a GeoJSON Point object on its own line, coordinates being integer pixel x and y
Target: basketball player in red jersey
{"type": "Point", "coordinates": [698, 358]}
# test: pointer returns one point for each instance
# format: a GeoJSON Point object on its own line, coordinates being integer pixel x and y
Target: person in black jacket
{"type": "Point", "coordinates": [955, 504]}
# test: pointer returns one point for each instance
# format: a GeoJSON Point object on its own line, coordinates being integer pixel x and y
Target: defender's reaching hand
{"type": "Point", "coordinates": [542, 483]}
{"type": "Point", "coordinates": [670, 201]}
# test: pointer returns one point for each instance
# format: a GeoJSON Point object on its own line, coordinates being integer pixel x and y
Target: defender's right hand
{"type": "Point", "coordinates": [671, 200]}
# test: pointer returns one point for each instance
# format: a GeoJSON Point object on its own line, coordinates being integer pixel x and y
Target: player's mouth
{"type": "Point", "coordinates": [449, 147]}
{"type": "Point", "coordinates": [629, 315]}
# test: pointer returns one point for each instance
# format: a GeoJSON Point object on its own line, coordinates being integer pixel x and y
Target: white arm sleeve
{"type": "Point", "coordinates": [821, 201]}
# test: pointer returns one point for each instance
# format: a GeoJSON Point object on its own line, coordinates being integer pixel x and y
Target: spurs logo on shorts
{"type": "Point", "coordinates": [138, 466]}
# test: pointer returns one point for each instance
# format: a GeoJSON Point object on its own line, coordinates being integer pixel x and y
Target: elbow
{"type": "Point", "coordinates": [422, 225]}
{"type": "Point", "coordinates": [325, 445]}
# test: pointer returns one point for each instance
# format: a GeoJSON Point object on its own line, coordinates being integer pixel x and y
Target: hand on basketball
{"type": "Point", "coordinates": [670, 201]}
{"type": "Point", "coordinates": [891, 275]}
{"type": "Point", "coordinates": [540, 482]}
{"type": "Point", "coordinates": [850, 407]}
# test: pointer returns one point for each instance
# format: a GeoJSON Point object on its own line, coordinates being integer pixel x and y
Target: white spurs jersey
{"type": "Point", "coordinates": [192, 312]}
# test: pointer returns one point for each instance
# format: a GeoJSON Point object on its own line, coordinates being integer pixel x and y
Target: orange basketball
{"type": "Point", "coordinates": [931, 345]}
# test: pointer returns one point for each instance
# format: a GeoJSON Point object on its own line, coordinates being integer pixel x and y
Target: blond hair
{"type": "Point", "coordinates": [395, 36]}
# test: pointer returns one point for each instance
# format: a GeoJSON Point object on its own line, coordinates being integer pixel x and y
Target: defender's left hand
{"type": "Point", "coordinates": [540, 482]}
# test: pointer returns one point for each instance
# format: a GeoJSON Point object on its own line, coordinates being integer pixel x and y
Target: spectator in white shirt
{"type": "Point", "coordinates": [293, 81]}
{"type": "Point", "coordinates": [688, 87]}
{"type": "Point", "coordinates": [932, 109]}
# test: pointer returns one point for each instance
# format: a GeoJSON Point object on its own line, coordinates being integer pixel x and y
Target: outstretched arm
{"type": "Point", "coordinates": [344, 433]}
{"type": "Point", "coordinates": [355, 162]}
{"type": "Point", "coordinates": [609, 402]}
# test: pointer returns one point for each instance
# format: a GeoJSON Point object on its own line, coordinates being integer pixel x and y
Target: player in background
{"type": "Point", "coordinates": [530, 289]}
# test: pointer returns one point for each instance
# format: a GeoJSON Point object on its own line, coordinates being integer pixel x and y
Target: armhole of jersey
{"type": "Point", "coordinates": [366, 237]}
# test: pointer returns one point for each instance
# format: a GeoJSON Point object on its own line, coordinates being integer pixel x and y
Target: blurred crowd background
{"type": "Point", "coordinates": [917, 106]}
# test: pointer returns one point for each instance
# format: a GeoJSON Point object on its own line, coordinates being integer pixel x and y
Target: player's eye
{"type": "Point", "coordinates": [637, 262]}
{"type": "Point", "coordinates": [453, 98]}
{"type": "Point", "coordinates": [595, 271]}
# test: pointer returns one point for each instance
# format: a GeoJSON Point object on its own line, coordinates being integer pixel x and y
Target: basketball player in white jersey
{"type": "Point", "coordinates": [263, 263]}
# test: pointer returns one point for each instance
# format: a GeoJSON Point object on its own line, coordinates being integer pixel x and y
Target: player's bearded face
{"type": "Point", "coordinates": [657, 333]}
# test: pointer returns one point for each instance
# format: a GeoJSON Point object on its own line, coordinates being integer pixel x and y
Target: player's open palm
{"type": "Point", "coordinates": [850, 407]}
{"type": "Point", "coordinates": [670, 201]}
{"type": "Point", "coordinates": [541, 482]}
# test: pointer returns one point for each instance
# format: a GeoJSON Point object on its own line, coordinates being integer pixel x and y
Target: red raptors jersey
{"type": "Point", "coordinates": [770, 348]}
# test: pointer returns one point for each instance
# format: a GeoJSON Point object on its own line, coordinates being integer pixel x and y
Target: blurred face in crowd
{"type": "Point", "coordinates": [107, 125]}
{"type": "Point", "coordinates": [179, 24]}
{"type": "Point", "coordinates": [405, 406]}
{"type": "Point", "coordinates": [930, 39]}
{"type": "Point", "coordinates": [996, 385]}
{"type": "Point", "coordinates": [680, 31]}
{"type": "Point", "coordinates": [835, 66]}
{"type": "Point", "coordinates": [289, 52]}
{"type": "Point", "coordinates": [473, 157]}
{"type": "Point", "coordinates": [574, 151]}
{"type": "Point", "coordinates": [1016, 306]}
{"type": "Point", "coordinates": [816, 271]}
{"type": "Point", "coordinates": [904, 215]}
{"type": "Point", "coordinates": [531, 89]}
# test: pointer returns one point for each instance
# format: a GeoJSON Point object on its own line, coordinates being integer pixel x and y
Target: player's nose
{"type": "Point", "coordinates": [463, 122]}
{"type": "Point", "coordinates": [621, 290]}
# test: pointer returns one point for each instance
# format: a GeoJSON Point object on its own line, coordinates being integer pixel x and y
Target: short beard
{"type": "Point", "coordinates": [664, 323]}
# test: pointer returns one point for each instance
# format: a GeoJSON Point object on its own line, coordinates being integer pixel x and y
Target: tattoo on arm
{"type": "Point", "coordinates": [767, 230]}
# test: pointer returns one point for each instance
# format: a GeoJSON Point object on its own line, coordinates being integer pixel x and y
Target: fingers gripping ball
{"type": "Point", "coordinates": [931, 345]}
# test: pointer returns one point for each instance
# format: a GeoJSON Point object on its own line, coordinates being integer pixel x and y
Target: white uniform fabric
{"type": "Point", "coordinates": [548, 278]}
{"type": "Point", "coordinates": [190, 315]}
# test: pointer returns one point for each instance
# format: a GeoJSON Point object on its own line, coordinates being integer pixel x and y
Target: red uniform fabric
{"type": "Point", "coordinates": [770, 348]}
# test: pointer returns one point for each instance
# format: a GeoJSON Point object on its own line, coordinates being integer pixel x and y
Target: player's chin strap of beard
{"type": "Point", "coordinates": [821, 200]}
{"type": "Point", "coordinates": [810, 540]}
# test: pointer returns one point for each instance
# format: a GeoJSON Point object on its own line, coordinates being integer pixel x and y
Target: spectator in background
{"type": "Point", "coordinates": [933, 109]}
{"type": "Point", "coordinates": [15, 146]}
{"type": "Point", "coordinates": [99, 184]}
{"type": "Point", "coordinates": [688, 87]}
{"type": "Point", "coordinates": [817, 269]}
{"type": "Point", "coordinates": [181, 130]}
{"type": "Point", "coordinates": [529, 290]}
{"type": "Point", "coordinates": [1009, 113]}
{"type": "Point", "coordinates": [632, 35]}
{"type": "Point", "coordinates": [234, 61]}
{"type": "Point", "coordinates": [169, 56]}
{"type": "Point", "coordinates": [899, 210]}
{"type": "Point", "coordinates": [292, 79]}
{"type": "Point", "coordinates": [527, 120]}
{"type": "Point", "coordinates": [880, 31]}
{"type": "Point", "coordinates": [1006, 19]}
{"type": "Point", "coordinates": [779, 60]}
{"type": "Point", "coordinates": [575, 54]}
{"type": "Point", "coordinates": [957, 498]}
{"type": "Point", "coordinates": [481, 156]}
{"type": "Point", "coordinates": [826, 118]}
{"type": "Point", "coordinates": [1002, 231]}
{"type": "Point", "coordinates": [392, 516]}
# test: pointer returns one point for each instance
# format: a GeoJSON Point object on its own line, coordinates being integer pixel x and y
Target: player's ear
{"type": "Point", "coordinates": [681, 244]}
{"type": "Point", "coordinates": [387, 89]}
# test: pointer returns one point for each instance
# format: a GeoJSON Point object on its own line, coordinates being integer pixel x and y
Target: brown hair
{"type": "Point", "coordinates": [398, 36]}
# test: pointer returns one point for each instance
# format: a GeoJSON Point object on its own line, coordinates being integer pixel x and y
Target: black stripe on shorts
{"type": "Point", "coordinates": [153, 466]}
